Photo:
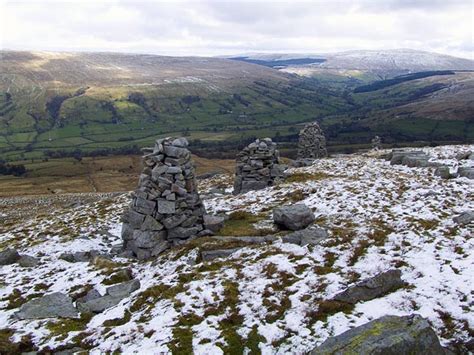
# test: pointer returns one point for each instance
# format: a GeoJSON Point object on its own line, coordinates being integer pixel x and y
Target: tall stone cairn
{"type": "Point", "coordinates": [377, 143]}
{"type": "Point", "coordinates": [258, 166]}
{"type": "Point", "coordinates": [312, 143]}
{"type": "Point", "coordinates": [166, 208]}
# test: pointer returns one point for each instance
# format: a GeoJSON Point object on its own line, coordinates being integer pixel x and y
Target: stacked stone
{"type": "Point", "coordinates": [258, 166]}
{"type": "Point", "coordinates": [376, 143]}
{"type": "Point", "coordinates": [166, 208]}
{"type": "Point", "coordinates": [312, 143]}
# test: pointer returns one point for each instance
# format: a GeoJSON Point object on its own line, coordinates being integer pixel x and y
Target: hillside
{"type": "Point", "coordinates": [269, 298]}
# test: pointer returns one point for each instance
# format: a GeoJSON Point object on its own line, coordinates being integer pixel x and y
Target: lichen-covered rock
{"type": "Point", "coordinates": [166, 208]}
{"type": "Point", "coordinates": [388, 335]}
{"type": "Point", "coordinates": [54, 305]}
{"type": "Point", "coordinates": [374, 287]}
{"type": "Point", "coordinates": [293, 217]}
{"type": "Point", "coordinates": [311, 143]}
{"type": "Point", "coordinates": [9, 256]}
{"type": "Point", "coordinates": [258, 166]}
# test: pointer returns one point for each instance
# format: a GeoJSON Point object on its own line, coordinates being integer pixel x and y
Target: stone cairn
{"type": "Point", "coordinates": [258, 166]}
{"type": "Point", "coordinates": [166, 208]}
{"type": "Point", "coordinates": [311, 143]}
{"type": "Point", "coordinates": [376, 143]}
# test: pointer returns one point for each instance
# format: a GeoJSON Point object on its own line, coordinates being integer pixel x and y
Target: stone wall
{"type": "Point", "coordinates": [312, 143]}
{"type": "Point", "coordinates": [258, 166]}
{"type": "Point", "coordinates": [166, 208]}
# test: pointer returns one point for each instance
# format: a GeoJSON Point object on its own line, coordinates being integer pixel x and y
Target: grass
{"type": "Point", "coordinates": [304, 177]}
{"type": "Point", "coordinates": [241, 223]}
{"type": "Point", "coordinates": [327, 308]}
{"type": "Point", "coordinates": [7, 346]}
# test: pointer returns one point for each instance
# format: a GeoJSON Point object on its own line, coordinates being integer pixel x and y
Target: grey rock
{"type": "Point", "coordinates": [464, 218]}
{"type": "Point", "coordinates": [91, 295]}
{"type": "Point", "coordinates": [311, 143]}
{"type": "Point", "coordinates": [374, 287]}
{"type": "Point", "coordinates": [98, 305]}
{"type": "Point", "coordinates": [123, 289]}
{"type": "Point", "coordinates": [147, 239]}
{"type": "Point", "coordinates": [54, 305]}
{"type": "Point", "coordinates": [160, 247]}
{"type": "Point", "coordinates": [151, 224]}
{"type": "Point", "coordinates": [213, 223]}
{"type": "Point", "coordinates": [443, 172]}
{"type": "Point", "coordinates": [463, 155]}
{"type": "Point", "coordinates": [183, 233]}
{"type": "Point", "coordinates": [388, 335]}
{"type": "Point", "coordinates": [209, 255]}
{"type": "Point", "coordinates": [466, 172]}
{"type": "Point", "coordinates": [308, 236]}
{"type": "Point", "coordinates": [9, 256]}
{"type": "Point", "coordinates": [166, 207]}
{"type": "Point", "coordinates": [293, 217]}
{"type": "Point", "coordinates": [80, 256]}
{"type": "Point", "coordinates": [28, 261]}
{"type": "Point", "coordinates": [175, 152]}
{"type": "Point", "coordinates": [180, 142]}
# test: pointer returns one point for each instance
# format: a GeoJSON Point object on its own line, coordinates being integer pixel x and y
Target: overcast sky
{"type": "Point", "coordinates": [232, 27]}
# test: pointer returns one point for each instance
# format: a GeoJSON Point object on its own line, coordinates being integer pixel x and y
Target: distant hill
{"type": "Point", "coordinates": [385, 63]}
{"type": "Point", "coordinates": [55, 104]}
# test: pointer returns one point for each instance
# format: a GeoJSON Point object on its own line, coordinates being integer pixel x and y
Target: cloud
{"type": "Point", "coordinates": [229, 27]}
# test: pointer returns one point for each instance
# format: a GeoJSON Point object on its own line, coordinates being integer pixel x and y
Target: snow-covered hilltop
{"type": "Point", "coordinates": [271, 297]}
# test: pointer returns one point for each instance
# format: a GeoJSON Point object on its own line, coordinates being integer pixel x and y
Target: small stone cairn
{"type": "Point", "coordinates": [376, 143]}
{"type": "Point", "coordinates": [312, 143]}
{"type": "Point", "coordinates": [166, 208]}
{"type": "Point", "coordinates": [258, 166]}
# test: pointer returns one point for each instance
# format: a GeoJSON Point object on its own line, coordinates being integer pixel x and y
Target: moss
{"type": "Point", "coordinates": [253, 339]}
{"type": "Point", "coordinates": [61, 328]}
{"type": "Point", "coordinates": [276, 310]}
{"type": "Point", "coordinates": [79, 291]}
{"type": "Point", "coordinates": [119, 276]}
{"type": "Point", "coordinates": [182, 343]}
{"type": "Point", "coordinates": [7, 346]}
{"type": "Point", "coordinates": [326, 308]}
{"type": "Point", "coordinates": [16, 299]}
{"type": "Point", "coordinates": [150, 296]}
{"type": "Point", "coordinates": [241, 223]}
{"type": "Point", "coordinates": [358, 252]}
{"type": "Point", "coordinates": [118, 321]}
{"type": "Point", "coordinates": [303, 177]}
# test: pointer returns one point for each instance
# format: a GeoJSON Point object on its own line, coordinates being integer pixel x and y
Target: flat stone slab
{"type": "Point", "coordinates": [388, 335]}
{"type": "Point", "coordinates": [374, 287]}
{"type": "Point", "coordinates": [54, 305]}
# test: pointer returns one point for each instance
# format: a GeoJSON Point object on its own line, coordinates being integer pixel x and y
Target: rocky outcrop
{"type": "Point", "coordinates": [311, 143]}
{"type": "Point", "coordinates": [93, 302]}
{"type": "Point", "coordinates": [166, 208]}
{"type": "Point", "coordinates": [293, 217]}
{"type": "Point", "coordinates": [386, 335]}
{"type": "Point", "coordinates": [410, 158]}
{"type": "Point", "coordinates": [9, 256]}
{"type": "Point", "coordinates": [464, 218]}
{"type": "Point", "coordinates": [374, 287]}
{"type": "Point", "coordinates": [258, 166]}
{"type": "Point", "coordinates": [54, 305]}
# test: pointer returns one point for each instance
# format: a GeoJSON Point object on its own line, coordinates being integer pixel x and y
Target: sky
{"type": "Point", "coordinates": [210, 28]}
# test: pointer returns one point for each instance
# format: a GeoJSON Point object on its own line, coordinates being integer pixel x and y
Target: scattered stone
{"type": "Point", "coordinates": [387, 335]}
{"type": "Point", "coordinates": [311, 143]}
{"type": "Point", "coordinates": [166, 208]}
{"type": "Point", "coordinates": [91, 295]}
{"type": "Point", "coordinates": [28, 261]}
{"type": "Point", "coordinates": [376, 143]}
{"type": "Point", "coordinates": [213, 223]}
{"type": "Point", "coordinates": [210, 255]}
{"type": "Point", "coordinates": [410, 158]}
{"type": "Point", "coordinates": [464, 155]}
{"type": "Point", "coordinates": [9, 256]}
{"type": "Point", "coordinates": [466, 172]}
{"type": "Point", "coordinates": [54, 305]}
{"type": "Point", "coordinates": [464, 218]}
{"type": "Point", "coordinates": [258, 166]}
{"type": "Point", "coordinates": [80, 256]}
{"type": "Point", "coordinates": [294, 217]}
{"type": "Point", "coordinates": [114, 294]}
{"type": "Point", "coordinates": [308, 236]}
{"type": "Point", "coordinates": [374, 287]}
{"type": "Point", "coordinates": [443, 172]}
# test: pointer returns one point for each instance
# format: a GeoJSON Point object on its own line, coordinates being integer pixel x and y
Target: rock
{"type": "Point", "coordinates": [28, 261]}
{"type": "Point", "coordinates": [123, 289]}
{"type": "Point", "coordinates": [294, 217]}
{"type": "Point", "coordinates": [9, 256]}
{"type": "Point", "coordinates": [166, 205]}
{"type": "Point", "coordinates": [463, 155]}
{"type": "Point", "coordinates": [376, 143]}
{"type": "Point", "coordinates": [386, 335]}
{"type": "Point", "coordinates": [443, 172]}
{"type": "Point", "coordinates": [258, 166]}
{"type": "Point", "coordinates": [311, 143]}
{"type": "Point", "coordinates": [466, 172]}
{"type": "Point", "coordinates": [464, 218]}
{"type": "Point", "coordinates": [98, 305]}
{"type": "Point", "coordinates": [209, 255]}
{"type": "Point", "coordinates": [54, 305]}
{"type": "Point", "coordinates": [374, 287]}
{"type": "Point", "coordinates": [91, 295]}
{"type": "Point", "coordinates": [79, 256]}
{"type": "Point", "coordinates": [410, 158]}
{"type": "Point", "coordinates": [213, 223]}
{"type": "Point", "coordinates": [308, 236]}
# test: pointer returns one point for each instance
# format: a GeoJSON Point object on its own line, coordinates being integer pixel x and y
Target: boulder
{"type": "Point", "coordinates": [209, 255]}
{"type": "Point", "coordinates": [54, 305]}
{"type": "Point", "coordinates": [28, 261]}
{"type": "Point", "coordinates": [390, 335]}
{"type": "Point", "coordinates": [123, 289]}
{"type": "Point", "coordinates": [309, 236]}
{"type": "Point", "coordinates": [464, 218]}
{"type": "Point", "coordinates": [374, 287]}
{"type": "Point", "coordinates": [213, 223]}
{"type": "Point", "coordinates": [9, 256]}
{"type": "Point", "coordinates": [466, 172]}
{"type": "Point", "coordinates": [293, 217]}
{"type": "Point", "coordinates": [463, 155]}
{"type": "Point", "coordinates": [443, 172]}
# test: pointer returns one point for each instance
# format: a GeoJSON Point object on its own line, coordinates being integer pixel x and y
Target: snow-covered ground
{"type": "Point", "coordinates": [271, 298]}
